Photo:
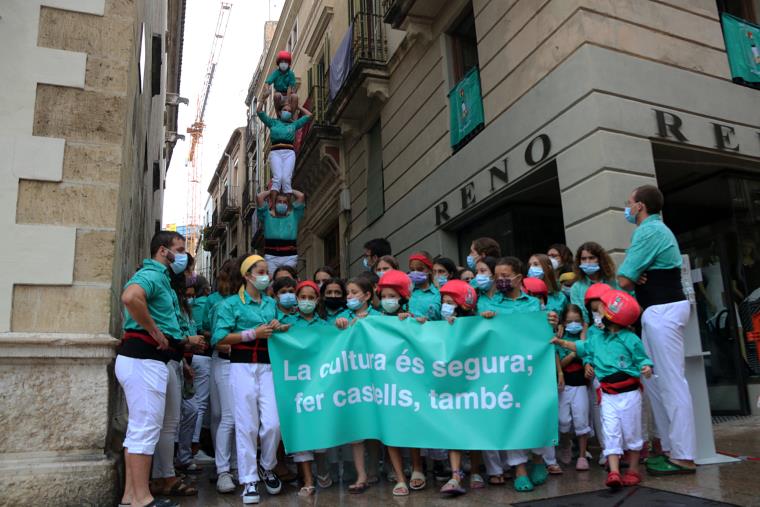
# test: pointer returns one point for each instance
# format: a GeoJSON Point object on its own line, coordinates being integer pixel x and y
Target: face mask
{"type": "Point", "coordinates": [284, 66]}
{"type": "Point", "coordinates": [390, 305]}
{"type": "Point", "coordinates": [281, 208]}
{"type": "Point", "coordinates": [306, 306]}
{"type": "Point", "coordinates": [535, 272]}
{"type": "Point", "coordinates": [334, 303]}
{"type": "Point", "coordinates": [286, 115]}
{"type": "Point", "coordinates": [555, 263]}
{"type": "Point", "coordinates": [574, 327]}
{"type": "Point", "coordinates": [354, 304]}
{"type": "Point", "coordinates": [447, 310]}
{"type": "Point", "coordinates": [630, 217]}
{"type": "Point", "coordinates": [590, 269]}
{"type": "Point", "coordinates": [418, 277]}
{"type": "Point", "coordinates": [442, 280]}
{"type": "Point", "coordinates": [471, 262]}
{"type": "Point", "coordinates": [504, 285]}
{"type": "Point", "coordinates": [566, 290]}
{"type": "Point", "coordinates": [287, 300]}
{"type": "Point", "coordinates": [261, 282]}
{"type": "Point", "coordinates": [365, 263]}
{"type": "Point", "coordinates": [598, 320]}
{"type": "Point", "coordinates": [190, 300]}
{"type": "Point", "coordinates": [484, 282]}
{"type": "Point", "coordinates": [379, 273]}
{"type": "Point", "coordinates": [179, 263]}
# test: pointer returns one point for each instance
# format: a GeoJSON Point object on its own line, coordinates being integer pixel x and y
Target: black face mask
{"type": "Point", "coordinates": [334, 303]}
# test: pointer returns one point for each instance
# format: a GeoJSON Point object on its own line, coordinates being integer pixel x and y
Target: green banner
{"type": "Point", "coordinates": [743, 48]}
{"type": "Point", "coordinates": [466, 107]}
{"type": "Point", "coordinates": [474, 384]}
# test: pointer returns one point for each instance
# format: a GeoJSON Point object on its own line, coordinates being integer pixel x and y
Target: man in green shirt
{"type": "Point", "coordinates": [280, 228]}
{"type": "Point", "coordinates": [151, 328]}
{"type": "Point", "coordinates": [653, 267]}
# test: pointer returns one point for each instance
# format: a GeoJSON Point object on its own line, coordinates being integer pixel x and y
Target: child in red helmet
{"type": "Point", "coordinates": [283, 80]}
{"type": "Point", "coordinates": [619, 359]}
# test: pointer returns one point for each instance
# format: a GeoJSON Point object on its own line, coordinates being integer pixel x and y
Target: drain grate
{"type": "Point", "coordinates": [718, 419]}
{"type": "Point", "coordinates": [628, 497]}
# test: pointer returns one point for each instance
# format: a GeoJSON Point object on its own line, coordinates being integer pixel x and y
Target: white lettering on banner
{"type": "Point", "coordinates": [351, 361]}
{"type": "Point", "coordinates": [484, 400]}
{"type": "Point", "coordinates": [473, 367]}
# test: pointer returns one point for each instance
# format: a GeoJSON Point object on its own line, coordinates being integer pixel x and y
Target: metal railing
{"type": "Point", "coordinates": [370, 42]}
{"type": "Point", "coordinates": [229, 198]}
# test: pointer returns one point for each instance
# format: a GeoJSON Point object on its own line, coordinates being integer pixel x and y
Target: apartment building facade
{"type": "Point", "coordinates": [530, 121]}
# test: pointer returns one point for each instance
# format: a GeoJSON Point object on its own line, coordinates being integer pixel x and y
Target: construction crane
{"type": "Point", "coordinates": [196, 131]}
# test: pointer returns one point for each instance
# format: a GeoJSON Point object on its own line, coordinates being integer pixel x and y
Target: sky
{"type": "Point", "coordinates": [226, 109]}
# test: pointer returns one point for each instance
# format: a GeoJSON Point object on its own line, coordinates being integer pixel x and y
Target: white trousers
{"type": "Point", "coordinates": [595, 412]}
{"type": "Point", "coordinates": [144, 384]}
{"type": "Point", "coordinates": [621, 418]}
{"type": "Point", "coordinates": [222, 413]}
{"type": "Point", "coordinates": [275, 261]}
{"type": "Point", "coordinates": [202, 385]}
{"type": "Point", "coordinates": [163, 460]}
{"type": "Point", "coordinates": [282, 163]}
{"type": "Point", "coordinates": [187, 420]}
{"type": "Point", "coordinates": [495, 461]}
{"type": "Point", "coordinates": [521, 456]}
{"type": "Point", "coordinates": [663, 329]}
{"type": "Point", "coordinates": [255, 417]}
{"type": "Point", "coordinates": [573, 410]}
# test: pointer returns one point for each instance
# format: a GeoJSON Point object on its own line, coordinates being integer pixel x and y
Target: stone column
{"type": "Point", "coordinates": [596, 176]}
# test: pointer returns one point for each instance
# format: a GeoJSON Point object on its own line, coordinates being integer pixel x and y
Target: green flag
{"type": "Point", "coordinates": [474, 384]}
{"type": "Point", "coordinates": [465, 107]}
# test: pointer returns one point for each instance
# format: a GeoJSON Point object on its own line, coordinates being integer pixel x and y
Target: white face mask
{"type": "Point", "coordinates": [284, 66]}
{"type": "Point", "coordinates": [555, 263]}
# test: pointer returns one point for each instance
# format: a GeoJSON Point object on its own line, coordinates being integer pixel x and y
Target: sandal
{"type": "Point", "coordinates": [418, 481]}
{"type": "Point", "coordinates": [358, 488]}
{"type": "Point", "coordinates": [179, 488]}
{"type": "Point", "coordinates": [631, 478]}
{"type": "Point", "coordinates": [614, 481]}
{"type": "Point", "coordinates": [400, 489]}
{"type": "Point", "coordinates": [538, 474]}
{"type": "Point", "coordinates": [477, 482]}
{"type": "Point", "coordinates": [667, 467]}
{"type": "Point", "coordinates": [496, 480]}
{"type": "Point", "coordinates": [523, 484]}
{"type": "Point", "coordinates": [307, 491]}
{"type": "Point", "coordinates": [454, 486]}
{"type": "Point", "coordinates": [324, 481]}
{"type": "Point", "coordinates": [555, 469]}
{"type": "Point", "coordinates": [161, 502]}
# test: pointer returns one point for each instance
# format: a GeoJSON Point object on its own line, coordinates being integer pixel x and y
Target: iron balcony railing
{"type": "Point", "coordinates": [370, 43]}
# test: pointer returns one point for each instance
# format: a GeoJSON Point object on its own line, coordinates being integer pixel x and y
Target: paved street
{"type": "Point", "coordinates": [734, 483]}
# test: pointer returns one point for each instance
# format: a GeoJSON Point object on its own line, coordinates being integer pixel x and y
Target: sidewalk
{"type": "Point", "coordinates": [733, 483]}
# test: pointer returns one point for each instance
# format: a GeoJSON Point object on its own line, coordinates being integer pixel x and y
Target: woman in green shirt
{"type": "Point", "coordinates": [592, 265]}
{"type": "Point", "coordinates": [540, 266]}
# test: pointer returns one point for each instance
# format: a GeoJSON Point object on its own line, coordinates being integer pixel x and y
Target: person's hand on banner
{"type": "Point", "coordinates": [488, 314]}
{"type": "Point", "coordinates": [553, 319]}
{"type": "Point", "coordinates": [341, 323]}
{"type": "Point", "coordinates": [404, 316]}
{"type": "Point", "coordinates": [421, 320]}
{"type": "Point", "coordinates": [451, 319]}
{"type": "Point", "coordinates": [646, 371]}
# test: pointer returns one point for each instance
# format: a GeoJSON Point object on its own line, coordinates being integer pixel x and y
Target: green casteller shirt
{"type": "Point", "coordinates": [351, 315]}
{"type": "Point", "coordinates": [281, 227]}
{"type": "Point", "coordinates": [187, 325]}
{"type": "Point", "coordinates": [593, 333]}
{"type": "Point", "coordinates": [615, 352]}
{"type": "Point", "coordinates": [296, 321]}
{"type": "Point", "coordinates": [578, 293]}
{"type": "Point", "coordinates": [282, 132]}
{"type": "Point", "coordinates": [331, 317]}
{"type": "Point", "coordinates": [235, 316]}
{"type": "Point", "coordinates": [556, 302]}
{"type": "Point", "coordinates": [653, 246]}
{"type": "Point", "coordinates": [282, 80]}
{"type": "Point", "coordinates": [200, 309]}
{"type": "Point", "coordinates": [505, 306]}
{"type": "Point", "coordinates": [426, 303]}
{"type": "Point", "coordinates": [163, 304]}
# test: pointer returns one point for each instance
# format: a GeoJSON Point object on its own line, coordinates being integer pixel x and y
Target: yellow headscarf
{"type": "Point", "coordinates": [247, 264]}
{"type": "Point", "coordinates": [567, 277]}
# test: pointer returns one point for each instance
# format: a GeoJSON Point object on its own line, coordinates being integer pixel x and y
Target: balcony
{"type": "Point", "coordinates": [217, 226]}
{"type": "Point", "coordinates": [249, 200]}
{"type": "Point", "coordinates": [230, 204]}
{"type": "Point", "coordinates": [365, 85]}
{"type": "Point", "coordinates": [209, 242]}
{"type": "Point", "coordinates": [411, 15]}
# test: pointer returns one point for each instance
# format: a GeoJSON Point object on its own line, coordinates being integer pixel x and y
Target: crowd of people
{"type": "Point", "coordinates": [192, 358]}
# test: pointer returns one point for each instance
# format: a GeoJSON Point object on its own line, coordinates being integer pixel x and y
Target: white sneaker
{"type": "Point", "coordinates": [251, 493]}
{"type": "Point", "coordinates": [203, 459]}
{"type": "Point", "coordinates": [225, 484]}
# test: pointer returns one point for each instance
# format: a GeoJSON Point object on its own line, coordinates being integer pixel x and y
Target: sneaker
{"type": "Point", "coordinates": [272, 482]}
{"type": "Point", "coordinates": [203, 459]}
{"type": "Point", "coordinates": [440, 471]}
{"type": "Point", "coordinates": [581, 464]}
{"type": "Point", "coordinates": [225, 484]}
{"type": "Point", "coordinates": [251, 493]}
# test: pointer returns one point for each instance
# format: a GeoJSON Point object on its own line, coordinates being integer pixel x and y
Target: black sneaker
{"type": "Point", "coordinates": [251, 493]}
{"type": "Point", "coordinates": [441, 471]}
{"type": "Point", "coordinates": [272, 482]}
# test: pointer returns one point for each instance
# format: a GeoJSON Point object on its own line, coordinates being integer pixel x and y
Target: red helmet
{"type": "Point", "coordinates": [397, 280]}
{"type": "Point", "coordinates": [535, 287]}
{"type": "Point", "coordinates": [307, 283]}
{"type": "Point", "coordinates": [620, 307]}
{"type": "Point", "coordinates": [596, 291]}
{"type": "Point", "coordinates": [284, 56]}
{"type": "Point", "coordinates": [463, 294]}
